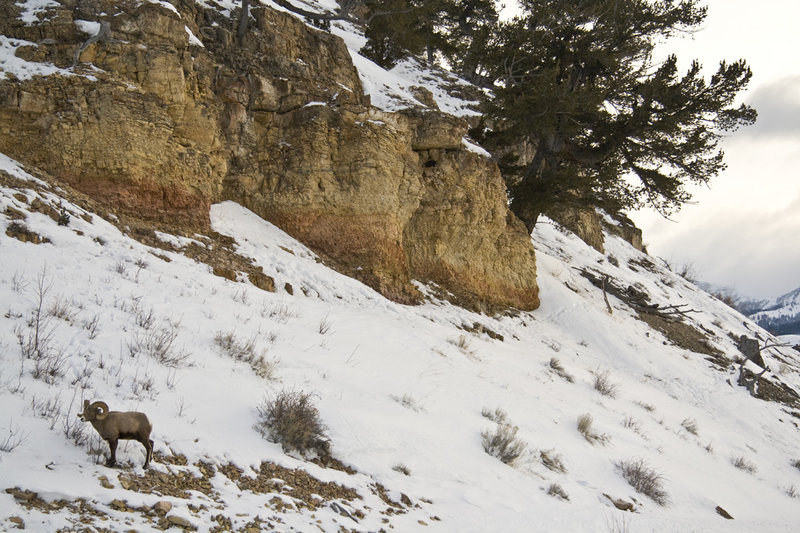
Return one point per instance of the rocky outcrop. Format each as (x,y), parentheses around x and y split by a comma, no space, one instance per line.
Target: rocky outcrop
(585,223)
(464,237)
(167,114)
(625,228)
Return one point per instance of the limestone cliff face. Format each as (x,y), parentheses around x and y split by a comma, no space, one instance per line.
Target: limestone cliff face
(154,123)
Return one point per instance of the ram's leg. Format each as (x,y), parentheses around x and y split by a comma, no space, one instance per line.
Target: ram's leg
(148,451)
(112,460)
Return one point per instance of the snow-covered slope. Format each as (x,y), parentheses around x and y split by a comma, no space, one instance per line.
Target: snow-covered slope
(405,392)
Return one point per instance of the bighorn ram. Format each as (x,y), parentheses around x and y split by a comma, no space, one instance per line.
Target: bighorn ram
(114,425)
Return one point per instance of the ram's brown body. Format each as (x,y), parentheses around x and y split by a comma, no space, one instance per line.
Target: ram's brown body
(115,425)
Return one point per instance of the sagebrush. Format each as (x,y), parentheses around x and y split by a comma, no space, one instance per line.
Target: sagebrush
(557,491)
(604,385)
(291,419)
(503,443)
(246,352)
(644,479)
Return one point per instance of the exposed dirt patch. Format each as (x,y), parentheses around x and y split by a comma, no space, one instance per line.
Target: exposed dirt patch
(176,483)
(645,264)
(22,233)
(773,392)
(205,245)
(479,328)
(179,460)
(82,514)
(298,484)
(681,334)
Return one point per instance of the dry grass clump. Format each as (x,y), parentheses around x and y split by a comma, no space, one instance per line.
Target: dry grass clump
(555,366)
(743,464)
(690,425)
(585,427)
(403,469)
(644,480)
(603,384)
(498,416)
(555,490)
(552,461)
(246,352)
(292,420)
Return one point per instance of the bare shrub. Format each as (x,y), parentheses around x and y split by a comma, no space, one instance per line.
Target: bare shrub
(242,297)
(292,420)
(463,345)
(143,385)
(644,479)
(743,464)
(646,406)
(603,384)
(687,271)
(35,342)
(48,408)
(18,282)
(403,469)
(552,461)
(74,429)
(145,318)
(585,422)
(498,416)
(631,423)
(246,352)
(159,343)
(325,325)
(557,491)
(555,366)
(690,425)
(15,437)
(92,326)
(49,367)
(792,492)
(277,311)
(503,443)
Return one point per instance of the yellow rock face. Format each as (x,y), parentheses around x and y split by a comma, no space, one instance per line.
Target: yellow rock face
(161,128)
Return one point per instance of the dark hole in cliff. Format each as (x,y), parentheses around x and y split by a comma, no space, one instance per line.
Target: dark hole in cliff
(430,163)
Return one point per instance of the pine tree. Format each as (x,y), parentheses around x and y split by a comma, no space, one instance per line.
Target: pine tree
(428,29)
(395,30)
(469,27)
(576,82)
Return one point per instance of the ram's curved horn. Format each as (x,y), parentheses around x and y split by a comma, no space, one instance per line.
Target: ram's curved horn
(103,407)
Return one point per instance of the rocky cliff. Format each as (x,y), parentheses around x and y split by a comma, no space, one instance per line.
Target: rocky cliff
(156,110)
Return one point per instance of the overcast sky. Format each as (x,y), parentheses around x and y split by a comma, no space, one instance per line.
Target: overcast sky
(744,231)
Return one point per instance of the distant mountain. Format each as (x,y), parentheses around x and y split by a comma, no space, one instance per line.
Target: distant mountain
(780,316)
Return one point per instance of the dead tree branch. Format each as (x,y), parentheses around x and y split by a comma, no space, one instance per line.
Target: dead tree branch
(634,297)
